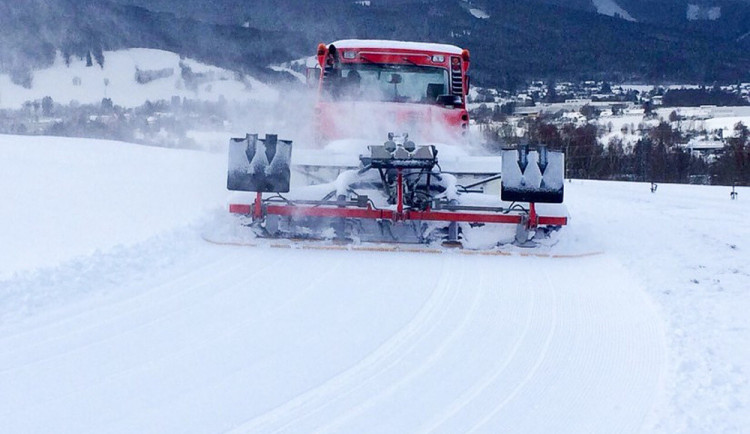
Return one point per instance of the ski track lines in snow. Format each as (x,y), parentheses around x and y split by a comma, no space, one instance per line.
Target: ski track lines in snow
(152,313)
(170,334)
(694,241)
(268,340)
(499,351)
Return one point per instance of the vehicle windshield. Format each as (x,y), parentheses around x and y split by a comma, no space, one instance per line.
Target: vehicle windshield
(390,82)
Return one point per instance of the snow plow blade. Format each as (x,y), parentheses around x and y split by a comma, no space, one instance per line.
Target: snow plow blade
(399,195)
(532,175)
(259,165)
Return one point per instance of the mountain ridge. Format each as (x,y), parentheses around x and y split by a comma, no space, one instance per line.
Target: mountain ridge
(516,41)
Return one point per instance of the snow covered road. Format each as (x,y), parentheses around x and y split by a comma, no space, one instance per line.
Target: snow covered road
(115,316)
(266,340)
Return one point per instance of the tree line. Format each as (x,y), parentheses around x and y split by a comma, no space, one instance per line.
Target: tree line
(658,156)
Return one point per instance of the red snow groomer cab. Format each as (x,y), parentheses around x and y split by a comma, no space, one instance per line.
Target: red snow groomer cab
(413,94)
(368,88)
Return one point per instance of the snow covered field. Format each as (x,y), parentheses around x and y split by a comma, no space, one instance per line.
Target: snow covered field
(117,80)
(115,316)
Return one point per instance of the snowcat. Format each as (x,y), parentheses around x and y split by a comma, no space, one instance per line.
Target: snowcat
(400,109)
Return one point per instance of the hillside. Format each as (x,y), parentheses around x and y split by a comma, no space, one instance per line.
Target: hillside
(35,30)
(511,41)
(514,40)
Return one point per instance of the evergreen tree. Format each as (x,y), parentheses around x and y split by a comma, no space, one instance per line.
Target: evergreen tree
(47,106)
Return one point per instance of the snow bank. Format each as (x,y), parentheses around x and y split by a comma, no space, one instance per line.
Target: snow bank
(69,197)
(687,245)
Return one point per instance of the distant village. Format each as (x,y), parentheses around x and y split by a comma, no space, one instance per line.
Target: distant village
(160,123)
(600,92)
(676,133)
(672,133)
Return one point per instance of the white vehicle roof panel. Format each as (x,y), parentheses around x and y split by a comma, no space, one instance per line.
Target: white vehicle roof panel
(399,45)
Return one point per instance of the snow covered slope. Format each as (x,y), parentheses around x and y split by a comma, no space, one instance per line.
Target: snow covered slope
(130,77)
(66,197)
(611,8)
(132,323)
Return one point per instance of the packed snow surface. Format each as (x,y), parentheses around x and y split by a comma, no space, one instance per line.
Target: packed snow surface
(115,316)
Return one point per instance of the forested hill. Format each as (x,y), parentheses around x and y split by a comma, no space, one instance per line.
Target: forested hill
(33,31)
(510,40)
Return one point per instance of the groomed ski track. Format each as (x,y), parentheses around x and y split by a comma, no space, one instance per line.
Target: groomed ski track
(245,339)
(117,317)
